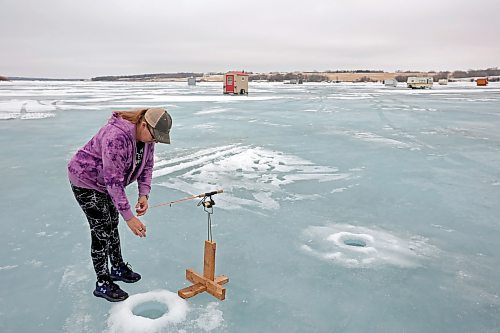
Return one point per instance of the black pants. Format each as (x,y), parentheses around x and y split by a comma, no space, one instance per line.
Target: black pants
(103,221)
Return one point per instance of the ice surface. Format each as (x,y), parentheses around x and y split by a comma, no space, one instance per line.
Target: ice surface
(241,168)
(346,208)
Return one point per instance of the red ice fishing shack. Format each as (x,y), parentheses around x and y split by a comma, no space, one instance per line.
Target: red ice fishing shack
(236,83)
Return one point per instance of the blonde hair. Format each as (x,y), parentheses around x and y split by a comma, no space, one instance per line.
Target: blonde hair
(134,116)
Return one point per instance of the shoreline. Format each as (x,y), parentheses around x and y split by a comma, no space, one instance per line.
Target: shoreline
(270,77)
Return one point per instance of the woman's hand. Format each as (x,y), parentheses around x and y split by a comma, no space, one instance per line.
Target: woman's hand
(137,227)
(142,205)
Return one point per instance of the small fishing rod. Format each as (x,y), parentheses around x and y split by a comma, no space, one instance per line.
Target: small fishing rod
(202,195)
(208,206)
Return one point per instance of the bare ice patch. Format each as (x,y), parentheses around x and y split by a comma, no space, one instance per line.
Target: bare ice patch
(8,267)
(25,116)
(74,285)
(250,176)
(206,126)
(211,318)
(350,96)
(197,98)
(372,137)
(212,111)
(356,246)
(27,109)
(397,139)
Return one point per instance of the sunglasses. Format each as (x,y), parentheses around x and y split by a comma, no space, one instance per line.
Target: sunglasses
(151,133)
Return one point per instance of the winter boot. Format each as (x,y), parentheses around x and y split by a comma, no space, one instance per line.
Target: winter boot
(109,291)
(124,273)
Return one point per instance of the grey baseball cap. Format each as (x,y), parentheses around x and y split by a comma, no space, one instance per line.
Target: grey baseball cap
(161,122)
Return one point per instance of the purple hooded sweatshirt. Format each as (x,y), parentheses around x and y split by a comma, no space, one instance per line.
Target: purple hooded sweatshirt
(107,164)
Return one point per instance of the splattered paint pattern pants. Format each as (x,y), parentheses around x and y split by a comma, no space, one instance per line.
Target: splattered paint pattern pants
(103,221)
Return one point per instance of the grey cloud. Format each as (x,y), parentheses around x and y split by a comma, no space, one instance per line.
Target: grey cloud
(60,38)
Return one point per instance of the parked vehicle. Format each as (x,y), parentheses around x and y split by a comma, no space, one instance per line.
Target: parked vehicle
(419,82)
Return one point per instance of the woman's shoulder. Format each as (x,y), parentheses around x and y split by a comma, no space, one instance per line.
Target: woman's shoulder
(111,137)
(118,127)
(124,125)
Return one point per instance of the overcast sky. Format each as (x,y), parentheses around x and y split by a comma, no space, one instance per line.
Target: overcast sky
(87,38)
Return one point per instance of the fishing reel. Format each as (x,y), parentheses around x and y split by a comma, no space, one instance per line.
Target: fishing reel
(208,206)
(209,203)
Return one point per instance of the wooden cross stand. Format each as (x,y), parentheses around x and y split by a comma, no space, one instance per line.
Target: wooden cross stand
(208,281)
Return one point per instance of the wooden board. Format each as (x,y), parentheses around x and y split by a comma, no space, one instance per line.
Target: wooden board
(212,288)
(192,290)
(208,281)
(209,260)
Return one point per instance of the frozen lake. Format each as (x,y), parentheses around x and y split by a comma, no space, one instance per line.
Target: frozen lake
(346,208)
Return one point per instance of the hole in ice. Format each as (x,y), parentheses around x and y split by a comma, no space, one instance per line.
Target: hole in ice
(358,246)
(355,242)
(151,310)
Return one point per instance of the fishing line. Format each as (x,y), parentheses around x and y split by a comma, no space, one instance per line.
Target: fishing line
(208,206)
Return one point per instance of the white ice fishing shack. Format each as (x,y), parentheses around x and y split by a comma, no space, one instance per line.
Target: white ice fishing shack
(419,82)
(236,83)
(391,83)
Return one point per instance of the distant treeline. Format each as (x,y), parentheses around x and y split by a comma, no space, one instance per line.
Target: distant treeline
(472,73)
(147,77)
(20,78)
(365,79)
(280,77)
(313,76)
(355,71)
(309,76)
(476,73)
